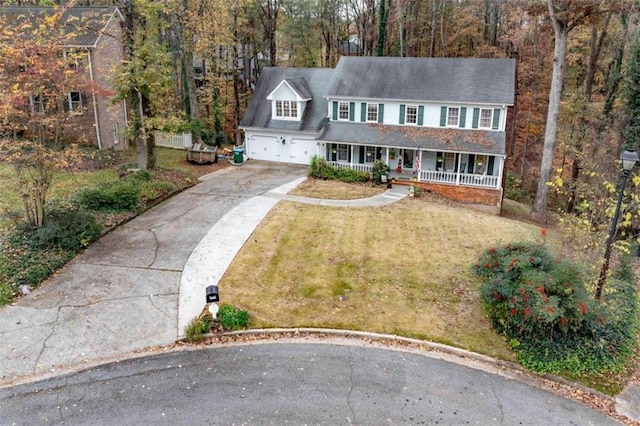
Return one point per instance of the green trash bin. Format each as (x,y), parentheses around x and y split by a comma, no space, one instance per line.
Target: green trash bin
(238,155)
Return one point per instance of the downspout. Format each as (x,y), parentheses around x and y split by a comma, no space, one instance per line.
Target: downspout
(93,98)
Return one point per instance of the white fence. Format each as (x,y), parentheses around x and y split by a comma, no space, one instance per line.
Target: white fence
(172,140)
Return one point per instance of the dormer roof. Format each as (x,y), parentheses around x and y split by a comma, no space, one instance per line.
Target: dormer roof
(308,83)
(298,85)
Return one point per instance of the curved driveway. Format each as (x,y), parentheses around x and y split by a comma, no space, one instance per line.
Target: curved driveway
(286,383)
(121,294)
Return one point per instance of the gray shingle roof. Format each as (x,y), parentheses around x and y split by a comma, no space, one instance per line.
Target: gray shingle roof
(300,86)
(445,139)
(83,25)
(465,80)
(258,113)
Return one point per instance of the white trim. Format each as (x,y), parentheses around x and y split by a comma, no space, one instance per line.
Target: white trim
(284,81)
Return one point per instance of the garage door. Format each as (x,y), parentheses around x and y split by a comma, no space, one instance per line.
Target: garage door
(264,148)
(301,151)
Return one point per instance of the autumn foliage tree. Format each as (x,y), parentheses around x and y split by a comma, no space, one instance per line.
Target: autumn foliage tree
(36,79)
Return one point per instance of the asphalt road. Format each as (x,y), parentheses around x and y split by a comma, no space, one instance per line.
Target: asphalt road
(287,383)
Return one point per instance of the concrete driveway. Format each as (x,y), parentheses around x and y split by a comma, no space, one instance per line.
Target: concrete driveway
(122,293)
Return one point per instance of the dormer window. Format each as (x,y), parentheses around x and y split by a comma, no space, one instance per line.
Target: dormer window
(286,109)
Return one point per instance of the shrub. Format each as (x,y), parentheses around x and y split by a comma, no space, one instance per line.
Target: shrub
(379,169)
(197,327)
(320,169)
(139,176)
(552,324)
(152,190)
(119,196)
(68,227)
(233,318)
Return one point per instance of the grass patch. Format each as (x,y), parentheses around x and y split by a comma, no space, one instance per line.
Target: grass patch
(336,190)
(402,269)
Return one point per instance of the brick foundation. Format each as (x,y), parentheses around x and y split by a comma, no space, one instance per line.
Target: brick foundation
(465,194)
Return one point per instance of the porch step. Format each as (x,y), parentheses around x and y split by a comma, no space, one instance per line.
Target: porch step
(393,195)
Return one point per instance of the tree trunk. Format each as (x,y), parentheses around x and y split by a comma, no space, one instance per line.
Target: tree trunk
(236,80)
(141,136)
(555,93)
(382,26)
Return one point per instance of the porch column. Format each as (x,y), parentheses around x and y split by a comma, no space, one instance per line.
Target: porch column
(458,164)
(351,157)
(500,171)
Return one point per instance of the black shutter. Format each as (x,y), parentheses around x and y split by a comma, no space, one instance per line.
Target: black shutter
(420,115)
(443,116)
(335,111)
(401,118)
(476,117)
(380,113)
(352,111)
(463,116)
(361,153)
(496,119)
(472,160)
(492,160)
(363,112)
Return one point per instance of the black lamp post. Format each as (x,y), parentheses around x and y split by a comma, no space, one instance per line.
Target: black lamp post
(629,159)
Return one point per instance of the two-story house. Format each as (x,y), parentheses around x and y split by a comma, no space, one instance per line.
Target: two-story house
(92,49)
(440,122)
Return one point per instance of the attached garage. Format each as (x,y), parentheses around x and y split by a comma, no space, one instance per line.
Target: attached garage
(266,148)
(301,150)
(280,149)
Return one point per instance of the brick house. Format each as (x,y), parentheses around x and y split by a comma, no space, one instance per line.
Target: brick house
(93,51)
(441,123)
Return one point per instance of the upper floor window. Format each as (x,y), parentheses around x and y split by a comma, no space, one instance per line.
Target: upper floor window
(38,104)
(372,113)
(74,100)
(486,118)
(286,109)
(343,110)
(411,115)
(73,58)
(453,116)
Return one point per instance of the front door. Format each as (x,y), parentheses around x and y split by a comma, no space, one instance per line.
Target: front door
(408,156)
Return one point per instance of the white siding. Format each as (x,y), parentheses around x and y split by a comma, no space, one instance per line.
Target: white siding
(431,116)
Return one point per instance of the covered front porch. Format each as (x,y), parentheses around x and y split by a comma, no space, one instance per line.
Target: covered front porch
(422,165)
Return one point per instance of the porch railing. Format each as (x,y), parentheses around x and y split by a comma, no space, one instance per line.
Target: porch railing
(366,168)
(479,180)
(435,176)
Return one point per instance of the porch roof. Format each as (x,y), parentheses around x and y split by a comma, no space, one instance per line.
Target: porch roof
(460,140)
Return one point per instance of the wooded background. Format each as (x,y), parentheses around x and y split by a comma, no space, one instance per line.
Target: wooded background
(193,63)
